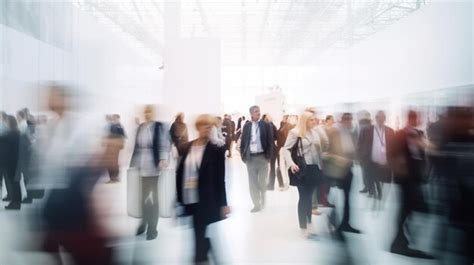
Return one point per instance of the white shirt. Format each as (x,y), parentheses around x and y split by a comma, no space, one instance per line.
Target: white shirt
(191,174)
(216,137)
(147,165)
(379,154)
(255,140)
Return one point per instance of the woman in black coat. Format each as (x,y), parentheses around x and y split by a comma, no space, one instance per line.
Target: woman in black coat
(200,182)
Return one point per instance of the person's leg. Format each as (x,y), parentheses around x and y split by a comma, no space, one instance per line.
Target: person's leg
(146,209)
(346,186)
(262,179)
(272,173)
(401,241)
(252,169)
(202,244)
(309,190)
(154,208)
(279,174)
(302,207)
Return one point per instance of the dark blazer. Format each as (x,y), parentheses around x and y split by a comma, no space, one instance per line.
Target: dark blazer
(404,166)
(211,187)
(156,145)
(10,145)
(266,138)
(365,142)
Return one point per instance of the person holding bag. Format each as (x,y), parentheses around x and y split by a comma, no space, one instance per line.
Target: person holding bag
(200,184)
(302,152)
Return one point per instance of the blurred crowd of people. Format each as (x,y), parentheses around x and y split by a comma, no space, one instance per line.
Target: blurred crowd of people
(432,167)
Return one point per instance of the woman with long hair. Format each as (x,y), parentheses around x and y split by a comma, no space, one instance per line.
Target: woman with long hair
(309,142)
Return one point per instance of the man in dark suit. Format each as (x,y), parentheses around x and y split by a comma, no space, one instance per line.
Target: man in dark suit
(374,140)
(408,162)
(256,149)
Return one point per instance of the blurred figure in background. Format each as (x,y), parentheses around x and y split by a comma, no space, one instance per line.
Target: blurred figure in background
(114,143)
(272,174)
(373,143)
(256,152)
(179,131)
(200,182)
(150,156)
(238,130)
(25,153)
(305,140)
(71,164)
(282,135)
(324,186)
(217,137)
(338,167)
(10,143)
(228,130)
(408,156)
(364,121)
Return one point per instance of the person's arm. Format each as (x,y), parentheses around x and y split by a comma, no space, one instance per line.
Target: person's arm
(290,142)
(220,163)
(164,143)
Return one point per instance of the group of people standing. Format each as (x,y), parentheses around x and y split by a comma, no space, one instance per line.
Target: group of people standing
(322,154)
(17,138)
(315,154)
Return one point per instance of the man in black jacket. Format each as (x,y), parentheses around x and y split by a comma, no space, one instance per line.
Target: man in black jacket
(408,163)
(256,149)
(374,140)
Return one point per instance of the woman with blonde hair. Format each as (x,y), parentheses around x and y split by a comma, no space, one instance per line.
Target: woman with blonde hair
(305,173)
(200,183)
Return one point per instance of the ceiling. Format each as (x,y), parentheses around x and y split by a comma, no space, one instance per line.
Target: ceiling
(257,32)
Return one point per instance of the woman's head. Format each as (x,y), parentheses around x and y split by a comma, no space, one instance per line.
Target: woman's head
(180,117)
(204,124)
(306,122)
(149,113)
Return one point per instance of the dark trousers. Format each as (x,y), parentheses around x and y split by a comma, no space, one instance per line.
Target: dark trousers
(150,207)
(13,186)
(377,175)
(344,184)
(228,144)
(275,171)
(202,244)
(305,205)
(410,196)
(306,191)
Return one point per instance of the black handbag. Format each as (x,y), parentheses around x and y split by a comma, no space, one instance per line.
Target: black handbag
(297,156)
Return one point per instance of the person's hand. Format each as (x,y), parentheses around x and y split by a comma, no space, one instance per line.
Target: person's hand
(294,168)
(163,164)
(225,211)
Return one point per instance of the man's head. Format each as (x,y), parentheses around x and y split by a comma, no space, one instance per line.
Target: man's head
(255,113)
(58,99)
(380,118)
(116,118)
(346,120)
(149,113)
(413,118)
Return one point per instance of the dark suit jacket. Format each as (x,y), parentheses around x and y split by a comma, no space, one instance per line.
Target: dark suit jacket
(404,166)
(365,142)
(266,138)
(156,145)
(211,187)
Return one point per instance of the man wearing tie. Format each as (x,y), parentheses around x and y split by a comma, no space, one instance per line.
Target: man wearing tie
(256,152)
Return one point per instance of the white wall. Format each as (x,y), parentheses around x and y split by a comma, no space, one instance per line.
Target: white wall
(98,64)
(429,49)
(192,76)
